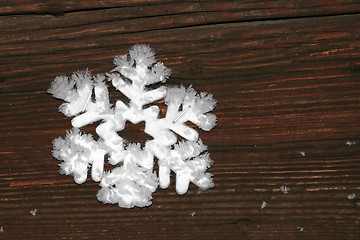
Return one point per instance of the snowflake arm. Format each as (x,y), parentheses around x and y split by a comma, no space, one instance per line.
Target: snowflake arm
(74,91)
(136,71)
(78,151)
(195,107)
(133,183)
(97,109)
(190,163)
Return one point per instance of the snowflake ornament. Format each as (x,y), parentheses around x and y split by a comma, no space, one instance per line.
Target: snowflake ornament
(133,179)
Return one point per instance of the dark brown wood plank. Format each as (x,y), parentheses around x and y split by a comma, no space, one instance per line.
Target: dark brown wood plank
(252,9)
(288,112)
(300,43)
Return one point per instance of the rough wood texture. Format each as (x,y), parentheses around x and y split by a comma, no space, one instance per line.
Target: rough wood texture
(286,75)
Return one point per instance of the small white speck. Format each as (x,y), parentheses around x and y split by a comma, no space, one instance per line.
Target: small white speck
(263,205)
(193,214)
(300,229)
(303,154)
(33,212)
(284,189)
(349,143)
(1,229)
(351,196)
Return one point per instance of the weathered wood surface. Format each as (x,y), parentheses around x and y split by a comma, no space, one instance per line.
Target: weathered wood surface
(286,75)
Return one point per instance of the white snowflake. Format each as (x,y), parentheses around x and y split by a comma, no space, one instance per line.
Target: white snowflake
(284,189)
(133,180)
(350,143)
(33,212)
(351,196)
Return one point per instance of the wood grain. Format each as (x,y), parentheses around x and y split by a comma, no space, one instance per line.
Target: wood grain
(286,77)
(144,8)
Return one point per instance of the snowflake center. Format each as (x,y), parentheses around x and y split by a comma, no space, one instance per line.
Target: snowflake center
(134,133)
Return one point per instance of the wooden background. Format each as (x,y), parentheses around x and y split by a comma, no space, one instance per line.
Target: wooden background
(286,75)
